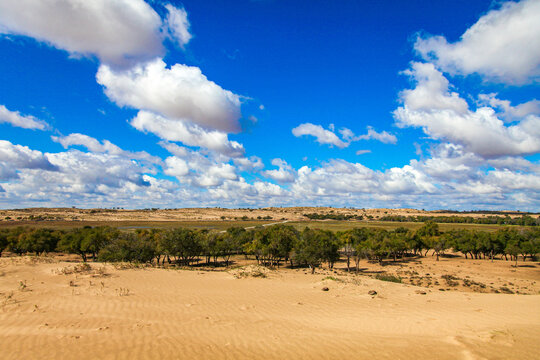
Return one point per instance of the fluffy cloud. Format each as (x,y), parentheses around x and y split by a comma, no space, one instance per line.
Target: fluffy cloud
(284,173)
(71,178)
(180,92)
(92,171)
(16,157)
(187,133)
(444,115)
(504,45)
(322,135)
(508,112)
(384,136)
(106,147)
(176,167)
(253,163)
(450,177)
(329,137)
(14,118)
(195,169)
(177,25)
(119,33)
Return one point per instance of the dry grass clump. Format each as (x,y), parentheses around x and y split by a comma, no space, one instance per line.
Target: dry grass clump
(84,268)
(250,271)
(128,265)
(122,291)
(7,299)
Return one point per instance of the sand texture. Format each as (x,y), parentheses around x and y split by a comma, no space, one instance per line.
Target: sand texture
(55,310)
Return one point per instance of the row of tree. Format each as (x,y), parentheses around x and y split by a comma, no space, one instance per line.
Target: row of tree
(271,246)
(524,220)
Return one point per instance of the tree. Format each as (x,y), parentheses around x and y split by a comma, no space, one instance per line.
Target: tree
(439,244)
(13,240)
(38,241)
(348,246)
(329,244)
(87,240)
(359,237)
(394,244)
(376,245)
(429,230)
(3,240)
(185,243)
(308,250)
(209,242)
(153,236)
(282,238)
(128,247)
(273,244)
(531,243)
(227,246)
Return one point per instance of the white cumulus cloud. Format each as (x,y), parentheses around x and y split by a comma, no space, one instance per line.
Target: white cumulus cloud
(180,92)
(118,32)
(283,174)
(187,133)
(177,25)
(16,157)
(14,118)
(443,114)
(321,135)
(94,145)
(503,45)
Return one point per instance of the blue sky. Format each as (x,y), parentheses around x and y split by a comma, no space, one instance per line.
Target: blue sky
(270,103)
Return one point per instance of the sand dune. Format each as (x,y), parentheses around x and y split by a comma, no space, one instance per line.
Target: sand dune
(179,314)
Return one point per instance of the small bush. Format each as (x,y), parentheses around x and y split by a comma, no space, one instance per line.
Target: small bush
(505,290)
(388,277)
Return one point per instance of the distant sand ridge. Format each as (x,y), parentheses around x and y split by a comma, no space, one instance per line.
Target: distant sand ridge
(208,214)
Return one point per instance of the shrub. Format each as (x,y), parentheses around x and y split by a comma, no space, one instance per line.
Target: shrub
(388,277)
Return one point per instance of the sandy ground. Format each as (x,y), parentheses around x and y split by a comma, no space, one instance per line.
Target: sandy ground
(207,214)
(50,311)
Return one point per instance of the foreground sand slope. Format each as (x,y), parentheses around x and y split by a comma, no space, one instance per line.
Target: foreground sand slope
(158,313)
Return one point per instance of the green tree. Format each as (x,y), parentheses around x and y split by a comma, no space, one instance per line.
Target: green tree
(87,241)
(128,247)
(427,232)
(3,240)
(308,249)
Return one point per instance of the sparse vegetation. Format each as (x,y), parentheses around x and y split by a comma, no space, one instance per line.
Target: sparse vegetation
(272,246)
(388,277)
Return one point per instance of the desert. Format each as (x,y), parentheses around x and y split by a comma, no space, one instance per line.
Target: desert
(269,179)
